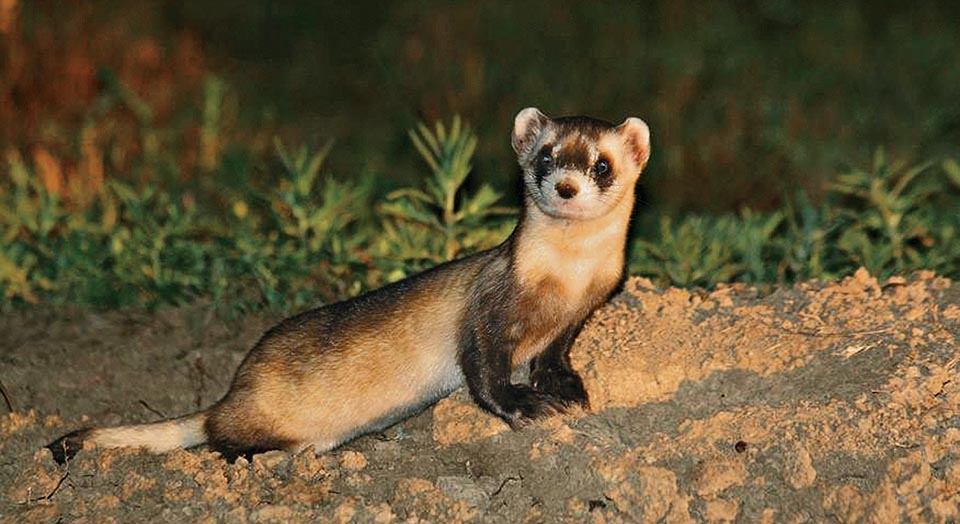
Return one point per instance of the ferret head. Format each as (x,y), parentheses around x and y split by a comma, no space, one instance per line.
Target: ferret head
(579,167)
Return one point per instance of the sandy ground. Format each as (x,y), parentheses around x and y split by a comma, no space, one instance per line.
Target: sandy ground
(818,403)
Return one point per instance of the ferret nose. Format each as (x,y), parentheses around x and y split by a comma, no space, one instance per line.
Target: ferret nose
(566,189)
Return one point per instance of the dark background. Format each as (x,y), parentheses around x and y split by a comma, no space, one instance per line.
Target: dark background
(748,101)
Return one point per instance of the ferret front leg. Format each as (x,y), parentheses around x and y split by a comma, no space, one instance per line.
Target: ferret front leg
(551,372)
(485,362)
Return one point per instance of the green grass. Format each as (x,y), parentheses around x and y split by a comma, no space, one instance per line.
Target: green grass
(303,236)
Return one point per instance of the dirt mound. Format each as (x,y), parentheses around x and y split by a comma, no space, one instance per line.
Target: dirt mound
(823,403)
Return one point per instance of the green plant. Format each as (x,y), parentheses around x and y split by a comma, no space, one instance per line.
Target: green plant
(884,212)
(28,218)
(694,252)
(308,229)
(803,240)
(298,212)
(442,220)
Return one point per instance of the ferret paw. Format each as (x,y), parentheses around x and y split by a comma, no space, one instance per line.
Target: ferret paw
(524,405)
(564,385)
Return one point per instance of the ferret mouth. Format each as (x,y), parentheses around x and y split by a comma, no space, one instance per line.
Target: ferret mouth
(567,209)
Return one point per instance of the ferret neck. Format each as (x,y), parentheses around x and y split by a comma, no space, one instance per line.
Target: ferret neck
(606,235)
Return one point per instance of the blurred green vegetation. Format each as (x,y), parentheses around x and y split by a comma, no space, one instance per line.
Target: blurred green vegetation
(889,218)
(311,238)
(305,237)
(148,151)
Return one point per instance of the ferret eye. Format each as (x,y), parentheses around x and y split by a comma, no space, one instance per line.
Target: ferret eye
(545,158)
(602,167)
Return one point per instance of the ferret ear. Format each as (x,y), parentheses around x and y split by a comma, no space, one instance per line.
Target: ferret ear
(636,134)
(526,126)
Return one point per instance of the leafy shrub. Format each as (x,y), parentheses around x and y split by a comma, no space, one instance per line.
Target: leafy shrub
(424,227)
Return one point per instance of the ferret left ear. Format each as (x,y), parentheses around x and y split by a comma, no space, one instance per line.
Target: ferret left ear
(636,134)
(526,126)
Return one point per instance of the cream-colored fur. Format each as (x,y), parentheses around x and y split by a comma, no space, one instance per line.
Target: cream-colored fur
(158,437)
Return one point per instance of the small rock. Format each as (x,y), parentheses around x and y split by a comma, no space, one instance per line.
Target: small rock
(460,488)
(457,420)
(798,467)
(272,513)
(353,460)
(722,510)
(716,476)
(267,461)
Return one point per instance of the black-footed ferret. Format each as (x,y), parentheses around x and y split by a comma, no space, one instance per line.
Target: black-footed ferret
(330,374)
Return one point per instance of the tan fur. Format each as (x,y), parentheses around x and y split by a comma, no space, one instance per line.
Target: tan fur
(330,374)
(540,305)
(574,253)
(566,269)
(394,372)
(389,361)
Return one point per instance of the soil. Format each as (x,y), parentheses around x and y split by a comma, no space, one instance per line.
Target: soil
(825,402)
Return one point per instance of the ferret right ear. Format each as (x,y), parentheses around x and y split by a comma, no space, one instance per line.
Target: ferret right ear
(636,134)
(526,126)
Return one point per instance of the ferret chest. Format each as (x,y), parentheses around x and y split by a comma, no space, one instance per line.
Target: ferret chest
(571,277)
(547,308)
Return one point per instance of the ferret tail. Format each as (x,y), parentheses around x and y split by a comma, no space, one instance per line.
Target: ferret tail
(180,432)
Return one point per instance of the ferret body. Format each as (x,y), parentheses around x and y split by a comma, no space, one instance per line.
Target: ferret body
(327,375)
